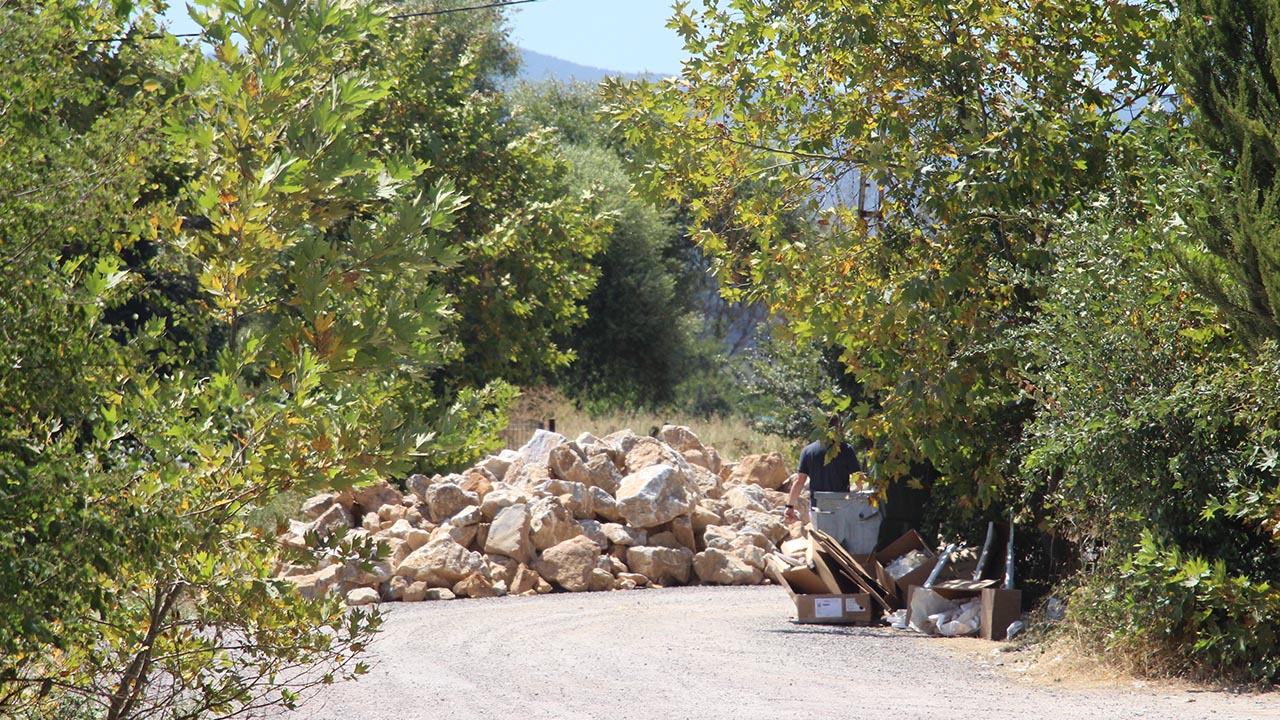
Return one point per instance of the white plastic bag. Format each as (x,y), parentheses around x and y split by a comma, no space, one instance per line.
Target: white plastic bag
(926,606)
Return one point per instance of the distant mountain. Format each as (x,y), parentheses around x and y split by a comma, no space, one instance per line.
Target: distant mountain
(536,66)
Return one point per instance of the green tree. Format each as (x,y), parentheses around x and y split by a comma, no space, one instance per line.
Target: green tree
(962,128)
(1153,444)
(132,452)
(657,333)
(1226,60)
(525,239)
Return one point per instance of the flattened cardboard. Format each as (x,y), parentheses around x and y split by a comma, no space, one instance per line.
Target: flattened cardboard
(840,562)
(871,567)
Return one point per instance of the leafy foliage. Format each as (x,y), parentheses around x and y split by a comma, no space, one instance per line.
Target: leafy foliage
(225,293)
(966,126)
(527,238)
(646,340)
(1153,443)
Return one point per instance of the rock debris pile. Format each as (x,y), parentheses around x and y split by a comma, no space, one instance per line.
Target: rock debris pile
(615,513)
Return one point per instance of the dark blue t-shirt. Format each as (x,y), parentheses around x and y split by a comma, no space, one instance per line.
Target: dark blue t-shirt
(824,476)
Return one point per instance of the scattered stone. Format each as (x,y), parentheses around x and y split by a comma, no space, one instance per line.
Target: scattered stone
(646,452)
(709,484)
(417,484)
(416,592)
(476,585)
(363,596)
(440,563)
(446,499)
(605,505)
(551,523)
(469,515)
(594,530)
(620,512)
(623,535)
(373,496)
(719,568)
(316,506)
(747,497)
(479,481)
(335,518)
(502,495)
(682,528)
(395,588)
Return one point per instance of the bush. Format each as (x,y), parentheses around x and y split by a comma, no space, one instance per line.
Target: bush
(1153,448)
(1185,613)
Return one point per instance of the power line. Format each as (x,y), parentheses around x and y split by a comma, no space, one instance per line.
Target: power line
(404,16)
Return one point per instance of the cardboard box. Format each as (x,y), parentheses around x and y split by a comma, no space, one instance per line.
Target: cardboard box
(814,605)
(999,607)
(903,545)
(852,609)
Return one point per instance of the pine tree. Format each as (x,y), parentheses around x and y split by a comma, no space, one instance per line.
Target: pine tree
(1227,60)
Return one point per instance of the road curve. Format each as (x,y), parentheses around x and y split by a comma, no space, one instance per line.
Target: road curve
(704,653)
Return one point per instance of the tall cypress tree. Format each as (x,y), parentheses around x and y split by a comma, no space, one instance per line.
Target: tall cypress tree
(1227,55)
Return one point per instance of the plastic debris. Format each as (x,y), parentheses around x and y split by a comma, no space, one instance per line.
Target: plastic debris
(906,564)
(1056,609)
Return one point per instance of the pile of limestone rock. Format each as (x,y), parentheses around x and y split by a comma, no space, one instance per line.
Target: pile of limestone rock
(615,513)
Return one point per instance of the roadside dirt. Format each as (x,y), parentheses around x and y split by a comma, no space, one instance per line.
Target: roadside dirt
(705,653)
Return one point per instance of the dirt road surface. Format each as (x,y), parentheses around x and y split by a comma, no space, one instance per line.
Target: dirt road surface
(708,653)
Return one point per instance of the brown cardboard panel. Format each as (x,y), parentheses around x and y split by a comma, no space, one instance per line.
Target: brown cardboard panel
(795,580)
(872,568)
(839,560)
(834,609)
(837,583)
(999,608)
(804,581)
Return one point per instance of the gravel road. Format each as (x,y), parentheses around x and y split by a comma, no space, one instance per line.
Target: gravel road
(706,653)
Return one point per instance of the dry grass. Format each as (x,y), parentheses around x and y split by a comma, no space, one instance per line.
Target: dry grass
(731,437)
(1064,656)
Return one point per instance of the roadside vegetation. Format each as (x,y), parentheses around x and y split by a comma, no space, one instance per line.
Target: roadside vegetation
(1032,250)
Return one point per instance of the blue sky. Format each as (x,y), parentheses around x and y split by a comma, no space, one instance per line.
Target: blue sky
(624,35)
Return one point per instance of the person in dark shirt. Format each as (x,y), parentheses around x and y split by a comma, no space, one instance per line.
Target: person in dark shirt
(823,474)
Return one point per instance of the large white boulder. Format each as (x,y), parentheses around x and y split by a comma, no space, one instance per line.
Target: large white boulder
(502,495)
(768,471)
(571,565)
(661,565)
(510,534)
(551,523)
(446,499)
(720,568)
(441,563)
(654,495)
